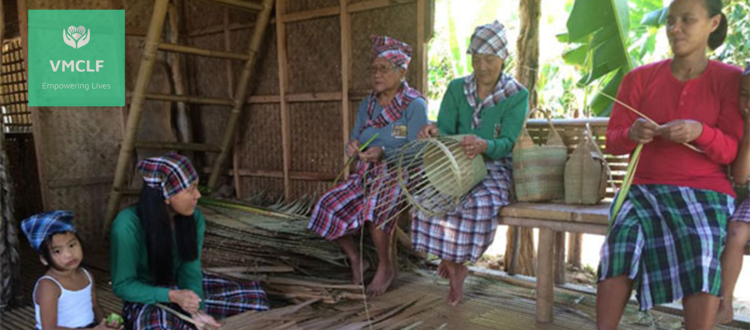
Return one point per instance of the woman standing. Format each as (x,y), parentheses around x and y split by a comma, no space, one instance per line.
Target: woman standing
(156,254)
(669,234)
(395,113)
(490,106)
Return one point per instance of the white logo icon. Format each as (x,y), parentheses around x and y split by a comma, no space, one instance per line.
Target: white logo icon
(76,37)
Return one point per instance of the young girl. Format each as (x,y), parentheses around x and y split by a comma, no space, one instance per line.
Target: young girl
(65,297)
(739,225)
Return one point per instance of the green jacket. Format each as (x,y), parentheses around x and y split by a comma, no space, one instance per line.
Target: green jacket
(506,118)
(131,277)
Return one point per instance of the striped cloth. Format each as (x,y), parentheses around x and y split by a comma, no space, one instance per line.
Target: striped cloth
(170,173)
(394,111)
(668,240)
(466,232)
(223,298)
(40,226)
(343,209)
(742,213)
(392,49)
(506,87)
(489,39)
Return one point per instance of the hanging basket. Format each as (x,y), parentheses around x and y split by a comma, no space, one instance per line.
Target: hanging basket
(538,169)
(586,172)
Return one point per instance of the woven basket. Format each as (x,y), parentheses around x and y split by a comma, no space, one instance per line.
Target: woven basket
(586,172)
(538,170)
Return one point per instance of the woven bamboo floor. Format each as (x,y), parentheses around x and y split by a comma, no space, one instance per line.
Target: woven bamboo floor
(416,301)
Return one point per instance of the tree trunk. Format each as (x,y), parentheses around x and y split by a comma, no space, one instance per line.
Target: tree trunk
(527,63)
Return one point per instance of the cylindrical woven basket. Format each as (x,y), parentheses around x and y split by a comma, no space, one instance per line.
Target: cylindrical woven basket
(538,170)
(439,173)
(586,172)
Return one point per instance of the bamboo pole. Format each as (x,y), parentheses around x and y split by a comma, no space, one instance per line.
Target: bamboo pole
(560,258)
(421,47)
(139,97)
(545,282)
(241,92)
(188,99)
(202,52)
(230,92)
(159,145)
(247,5)
(283,84)
(184,128)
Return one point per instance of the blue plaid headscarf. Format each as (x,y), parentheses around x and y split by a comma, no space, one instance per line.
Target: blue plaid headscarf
(40,226)
(489,39)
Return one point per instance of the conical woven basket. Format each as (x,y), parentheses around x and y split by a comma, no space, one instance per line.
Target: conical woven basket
(586,172)
(538,170)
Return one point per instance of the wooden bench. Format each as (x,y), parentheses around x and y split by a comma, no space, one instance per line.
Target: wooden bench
(555,219)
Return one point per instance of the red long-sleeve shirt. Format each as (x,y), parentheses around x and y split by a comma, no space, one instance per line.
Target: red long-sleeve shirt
(712,99)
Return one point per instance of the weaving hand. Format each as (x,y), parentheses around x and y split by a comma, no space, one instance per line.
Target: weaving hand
(352,148)
(681,130)
(186,299)
(642,131)
(473,146)
(204,320)
(429,131)
(371,155)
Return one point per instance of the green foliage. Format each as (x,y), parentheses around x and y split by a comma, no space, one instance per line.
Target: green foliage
(736,49)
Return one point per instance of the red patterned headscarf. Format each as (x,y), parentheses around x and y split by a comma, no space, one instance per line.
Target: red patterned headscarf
(393,50)
(170,174)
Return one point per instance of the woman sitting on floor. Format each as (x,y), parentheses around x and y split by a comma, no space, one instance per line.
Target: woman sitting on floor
(395,112)
(156,255)
(490,106)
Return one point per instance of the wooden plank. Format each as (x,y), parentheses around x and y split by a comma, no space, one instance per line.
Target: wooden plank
(376,4)
(314,97)
(310,14)
(246,5)
(346,65)
(570,227)
(79,182)
(545,291)
(169,47)
(283,85)
(593,214)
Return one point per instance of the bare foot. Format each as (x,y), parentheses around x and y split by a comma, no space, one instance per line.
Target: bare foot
(357,273)
(458,274)
(442,270)
(726,313)
(383,278)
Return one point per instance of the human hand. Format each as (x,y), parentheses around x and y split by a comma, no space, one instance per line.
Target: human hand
(473,146)
(203,320)
(186,299)
(681,130)
(104,326)
(642,131)
(428,131)
(352,148)
(372,155)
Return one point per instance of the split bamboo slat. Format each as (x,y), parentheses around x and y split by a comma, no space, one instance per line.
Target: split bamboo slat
(153,43)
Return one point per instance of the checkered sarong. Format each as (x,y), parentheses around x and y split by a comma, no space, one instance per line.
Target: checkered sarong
(668,240)
(222,298)
(742,213)
(342,210)
(466,232)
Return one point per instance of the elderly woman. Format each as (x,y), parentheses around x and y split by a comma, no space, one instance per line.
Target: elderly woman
(489,106)
(393,113)
(156,255)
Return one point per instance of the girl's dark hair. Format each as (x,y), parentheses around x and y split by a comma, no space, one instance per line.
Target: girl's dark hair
(46,253)
(154,216)
(717,37)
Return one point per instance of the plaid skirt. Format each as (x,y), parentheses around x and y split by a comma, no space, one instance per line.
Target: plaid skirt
(466,232)
(668,240)
(222,298)
(742,213)
(344,209)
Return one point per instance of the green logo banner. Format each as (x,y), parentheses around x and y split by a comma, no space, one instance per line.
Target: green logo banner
(76,58)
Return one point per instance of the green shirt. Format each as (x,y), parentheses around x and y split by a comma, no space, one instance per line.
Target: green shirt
(506,118)
(131,277)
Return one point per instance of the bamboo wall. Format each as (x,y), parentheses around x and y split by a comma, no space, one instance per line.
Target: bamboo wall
(310,76)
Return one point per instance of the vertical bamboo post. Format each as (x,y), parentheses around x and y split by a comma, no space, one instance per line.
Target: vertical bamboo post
(575,249)
(184,129)
(421,47)
(515,247)
(560,258)
(139,97)
(346,50)
(230,92)
(240,94)
(545,294)
(283,84)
